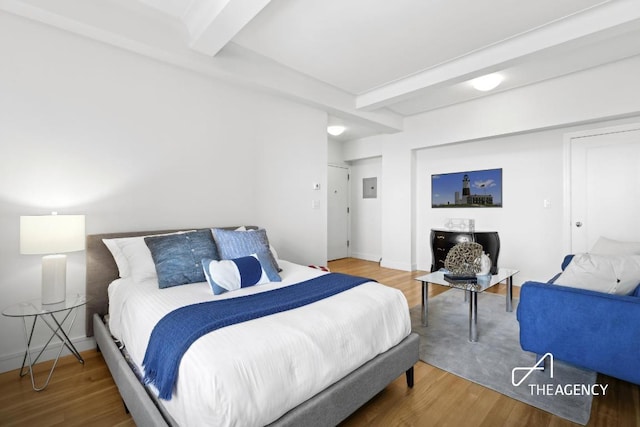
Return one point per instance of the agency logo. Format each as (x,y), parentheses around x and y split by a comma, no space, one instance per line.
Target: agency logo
(554,389)
(539,366)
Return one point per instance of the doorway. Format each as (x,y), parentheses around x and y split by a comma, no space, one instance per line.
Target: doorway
(604,186)
(338,212)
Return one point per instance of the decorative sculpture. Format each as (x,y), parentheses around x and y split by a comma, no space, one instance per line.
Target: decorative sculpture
(464,259)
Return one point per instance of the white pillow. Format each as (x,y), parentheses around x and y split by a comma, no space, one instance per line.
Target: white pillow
(118,256)
(605,246)
(132,256)
(611,274)
(273,252)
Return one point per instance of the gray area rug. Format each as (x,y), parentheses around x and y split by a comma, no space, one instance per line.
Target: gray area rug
(444,343)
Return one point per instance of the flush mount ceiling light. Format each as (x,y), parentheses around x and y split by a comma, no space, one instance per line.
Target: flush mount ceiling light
(335,130)
(488,82)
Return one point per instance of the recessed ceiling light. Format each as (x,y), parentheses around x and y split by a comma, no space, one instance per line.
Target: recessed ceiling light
(488,82)
(335,130)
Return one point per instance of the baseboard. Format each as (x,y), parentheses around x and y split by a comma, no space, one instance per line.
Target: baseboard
(383,263)
(366,256)
(397,265)
(10,362)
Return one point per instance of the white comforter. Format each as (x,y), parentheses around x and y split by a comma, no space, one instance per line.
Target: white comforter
(252,373)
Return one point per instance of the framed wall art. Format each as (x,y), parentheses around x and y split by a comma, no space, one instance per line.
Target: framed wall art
(470,189)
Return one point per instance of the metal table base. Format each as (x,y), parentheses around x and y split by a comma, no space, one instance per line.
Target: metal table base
(472,297)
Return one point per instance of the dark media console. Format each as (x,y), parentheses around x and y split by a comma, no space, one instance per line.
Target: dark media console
(443,240)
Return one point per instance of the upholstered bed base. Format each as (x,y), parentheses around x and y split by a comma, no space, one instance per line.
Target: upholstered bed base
(327,408)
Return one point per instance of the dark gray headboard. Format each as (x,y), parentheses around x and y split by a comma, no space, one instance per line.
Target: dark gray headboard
(102,270)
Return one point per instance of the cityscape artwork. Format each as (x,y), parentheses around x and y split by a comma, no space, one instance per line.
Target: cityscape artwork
(471,189)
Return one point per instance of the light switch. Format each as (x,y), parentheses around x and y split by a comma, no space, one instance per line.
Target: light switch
(315,204)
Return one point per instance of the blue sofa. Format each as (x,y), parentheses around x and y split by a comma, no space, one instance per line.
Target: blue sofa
(593,330)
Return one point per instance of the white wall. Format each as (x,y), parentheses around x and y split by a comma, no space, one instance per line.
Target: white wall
(365,217)
(291,154)
(335,155)
(531,172)
(488,128)
(135,144)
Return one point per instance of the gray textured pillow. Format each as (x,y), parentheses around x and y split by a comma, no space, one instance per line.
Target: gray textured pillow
(236,244)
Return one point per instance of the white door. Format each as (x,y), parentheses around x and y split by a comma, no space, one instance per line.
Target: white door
(605,187)
(338,214)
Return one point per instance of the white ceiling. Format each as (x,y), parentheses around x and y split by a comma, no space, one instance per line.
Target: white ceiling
(368,63)
(358,45)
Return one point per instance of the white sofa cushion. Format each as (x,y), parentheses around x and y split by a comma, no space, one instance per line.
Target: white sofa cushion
(606,246)
(614,274)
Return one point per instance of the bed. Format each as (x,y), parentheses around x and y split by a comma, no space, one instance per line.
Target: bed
(312,398)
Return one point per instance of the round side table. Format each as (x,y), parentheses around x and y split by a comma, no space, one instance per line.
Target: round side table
(59,317)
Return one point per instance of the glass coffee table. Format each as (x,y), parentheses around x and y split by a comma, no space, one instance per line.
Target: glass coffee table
(472,288)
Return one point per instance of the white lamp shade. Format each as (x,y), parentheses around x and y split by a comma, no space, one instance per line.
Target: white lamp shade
(51,234)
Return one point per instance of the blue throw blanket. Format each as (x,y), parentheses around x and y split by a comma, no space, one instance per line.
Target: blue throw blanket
(176,331)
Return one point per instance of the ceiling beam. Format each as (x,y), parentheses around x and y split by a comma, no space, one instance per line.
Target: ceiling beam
(248,68)
(502,54)
(213,23)
(234,65)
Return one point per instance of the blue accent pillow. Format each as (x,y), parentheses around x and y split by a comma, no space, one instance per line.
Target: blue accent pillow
(566,261)
(233,274)
(235,244)
(178,257)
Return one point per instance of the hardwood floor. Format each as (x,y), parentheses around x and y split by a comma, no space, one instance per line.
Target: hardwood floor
(86,395)
(76,396)
(439,398)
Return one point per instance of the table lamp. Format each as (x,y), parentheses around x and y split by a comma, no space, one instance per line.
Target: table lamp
(52,235)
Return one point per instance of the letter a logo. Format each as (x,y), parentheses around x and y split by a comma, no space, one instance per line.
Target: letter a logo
(539,366)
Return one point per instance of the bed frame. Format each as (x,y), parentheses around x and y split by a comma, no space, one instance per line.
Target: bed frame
(327,408)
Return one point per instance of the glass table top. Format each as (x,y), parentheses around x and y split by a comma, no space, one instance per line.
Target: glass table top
(35,307)
(481,283)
